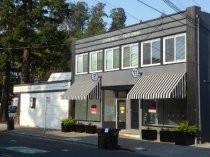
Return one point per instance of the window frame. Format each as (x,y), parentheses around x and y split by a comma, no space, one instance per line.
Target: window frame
(105,57)
(122,55)
(76,66)
(164,49)
(95,52)
(142,59)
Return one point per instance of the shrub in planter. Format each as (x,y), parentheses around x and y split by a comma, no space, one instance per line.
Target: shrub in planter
(68,124)
(79,127)
(185,133)
(148,134)
(166,135)
(90,129)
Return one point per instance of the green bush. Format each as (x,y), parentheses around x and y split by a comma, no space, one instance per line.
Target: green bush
(68,121)
(187,128)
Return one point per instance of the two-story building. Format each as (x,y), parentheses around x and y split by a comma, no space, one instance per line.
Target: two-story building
(155,73)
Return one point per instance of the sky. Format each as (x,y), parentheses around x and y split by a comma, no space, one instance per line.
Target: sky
(136,11)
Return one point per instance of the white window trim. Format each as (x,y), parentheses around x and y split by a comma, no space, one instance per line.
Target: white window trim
(164,51)
(76,64)
(149,41)
(105,51)
(130,45)
(94,52)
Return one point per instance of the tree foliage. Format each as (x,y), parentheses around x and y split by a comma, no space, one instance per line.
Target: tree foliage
(35,38)
(118,19)
(96,24)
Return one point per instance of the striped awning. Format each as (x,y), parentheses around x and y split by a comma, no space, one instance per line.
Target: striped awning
(159,87)
(82,90)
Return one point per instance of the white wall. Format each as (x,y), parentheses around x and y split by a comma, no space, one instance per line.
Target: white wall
(57,109)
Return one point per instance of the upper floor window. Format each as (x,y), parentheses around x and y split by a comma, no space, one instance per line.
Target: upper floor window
(150,52)
(112,59)
(96,61)
(130,56)
(82,63)
(174,49)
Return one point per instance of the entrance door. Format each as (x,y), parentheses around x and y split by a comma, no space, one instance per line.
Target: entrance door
(121,114)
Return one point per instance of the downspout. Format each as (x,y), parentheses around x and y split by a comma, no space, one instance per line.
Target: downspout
(198,72)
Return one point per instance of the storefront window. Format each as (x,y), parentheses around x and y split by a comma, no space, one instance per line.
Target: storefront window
(167,112)
(80,109)
(87,110)
(110,105)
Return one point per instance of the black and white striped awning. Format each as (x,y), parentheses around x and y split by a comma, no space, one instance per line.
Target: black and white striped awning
(82,90)
(160,86)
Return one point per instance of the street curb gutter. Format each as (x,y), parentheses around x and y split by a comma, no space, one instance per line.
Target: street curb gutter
(49,137)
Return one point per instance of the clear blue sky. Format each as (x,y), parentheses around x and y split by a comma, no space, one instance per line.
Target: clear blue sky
(136,11)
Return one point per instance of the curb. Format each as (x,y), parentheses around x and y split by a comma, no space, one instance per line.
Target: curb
(51,138)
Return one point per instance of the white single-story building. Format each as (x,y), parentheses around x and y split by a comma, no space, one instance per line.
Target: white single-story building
(41,104)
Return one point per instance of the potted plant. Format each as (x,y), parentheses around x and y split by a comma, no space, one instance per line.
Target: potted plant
(166,135)
(68,124)
(79,127)
(149,134)
(90,129)
(185,133)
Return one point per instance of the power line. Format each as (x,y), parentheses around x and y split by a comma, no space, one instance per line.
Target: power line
(137,19)
(177,10)
(35,47)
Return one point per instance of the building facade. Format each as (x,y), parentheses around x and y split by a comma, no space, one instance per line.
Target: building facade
(41,105)
(155,73)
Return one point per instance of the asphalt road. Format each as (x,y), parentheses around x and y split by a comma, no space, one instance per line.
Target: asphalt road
(14,145)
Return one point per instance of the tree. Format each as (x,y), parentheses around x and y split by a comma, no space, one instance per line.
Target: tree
(78,18)
(118,19)
(96,24)
(29,33)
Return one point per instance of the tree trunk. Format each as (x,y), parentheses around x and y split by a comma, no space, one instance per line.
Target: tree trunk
(5,95)
(26,51)
(25,77)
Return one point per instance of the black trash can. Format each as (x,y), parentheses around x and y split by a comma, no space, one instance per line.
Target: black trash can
(10,124)
(108,138)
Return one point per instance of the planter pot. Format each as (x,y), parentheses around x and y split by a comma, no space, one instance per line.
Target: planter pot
(67,128)
(80,128)
(64,128)
(149,134)
(90,129)
(182,138)
(71,128)
(167,136)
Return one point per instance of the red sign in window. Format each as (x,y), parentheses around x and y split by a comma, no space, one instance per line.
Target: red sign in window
(152,107)
(93,109)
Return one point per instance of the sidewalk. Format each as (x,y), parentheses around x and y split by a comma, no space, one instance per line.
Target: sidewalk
(128,140)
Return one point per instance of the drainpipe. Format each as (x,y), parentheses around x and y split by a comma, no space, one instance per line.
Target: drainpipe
(198,72)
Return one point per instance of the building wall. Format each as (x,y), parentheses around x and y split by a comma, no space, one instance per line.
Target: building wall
(204,50)
(162,26)
(56,110)
(196,66)
(124,77)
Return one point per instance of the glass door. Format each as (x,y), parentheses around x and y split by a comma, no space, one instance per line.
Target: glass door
(121,114)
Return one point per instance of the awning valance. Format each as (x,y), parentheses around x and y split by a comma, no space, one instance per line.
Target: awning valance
(83,89)
(159,87)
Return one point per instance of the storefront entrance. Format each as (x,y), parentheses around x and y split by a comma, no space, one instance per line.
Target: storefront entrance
(121,114)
